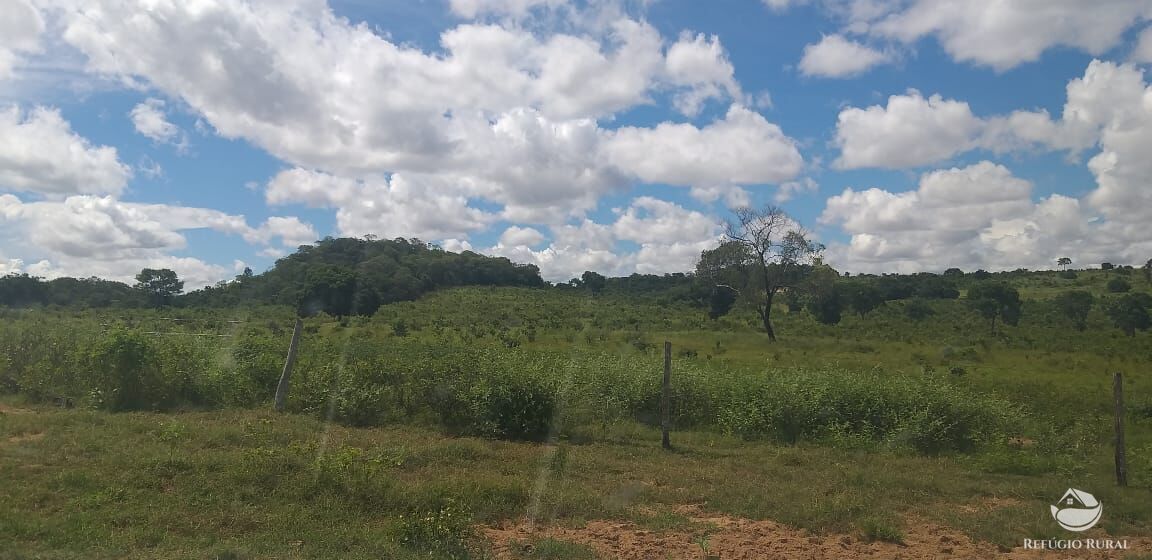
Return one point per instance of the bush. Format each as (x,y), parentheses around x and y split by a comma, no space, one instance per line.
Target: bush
(1118,285)
(126,374)
(924,414)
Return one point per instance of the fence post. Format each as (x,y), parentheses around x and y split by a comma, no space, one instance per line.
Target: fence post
(286,375)
(1121,459)
(666,397)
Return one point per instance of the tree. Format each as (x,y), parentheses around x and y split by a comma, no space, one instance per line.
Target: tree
(1130,313)
(863,298)
(159,285)
(1147,269)
(823,299)
(1063,262)
(593,281)
(917,309)
(779,252)
(953,272)
(1075,305)
(1118,285)
(721,300)
(1107,266)
(18,290)
(995,300)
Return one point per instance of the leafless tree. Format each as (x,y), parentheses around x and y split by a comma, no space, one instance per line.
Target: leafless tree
(780,251)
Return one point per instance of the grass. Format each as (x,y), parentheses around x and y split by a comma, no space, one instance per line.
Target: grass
(252,484)
(817,431)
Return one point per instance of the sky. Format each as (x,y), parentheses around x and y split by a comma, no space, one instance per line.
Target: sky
(207,136)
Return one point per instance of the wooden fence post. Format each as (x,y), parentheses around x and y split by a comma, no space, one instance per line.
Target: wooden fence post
(1118,411)
(286,375)
(666,397)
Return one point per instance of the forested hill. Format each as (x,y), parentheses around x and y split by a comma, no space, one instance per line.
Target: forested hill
(346,276)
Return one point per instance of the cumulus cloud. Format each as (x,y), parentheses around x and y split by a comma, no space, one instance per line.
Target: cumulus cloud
(516,8)
(838,57)
(312,79)
(733,197)
(913,131)
(39,153)
(389,207)
(910,131)
(976,216)
(1003,35)
(1143,51)
(20,31)
(499,113)
(290,230)
(791,189)
(701,64)
(150,121)
(667,238)
(742,148)
(87,235)
(982,215)
(516,236)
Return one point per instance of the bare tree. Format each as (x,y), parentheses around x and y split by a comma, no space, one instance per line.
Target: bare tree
(780,252)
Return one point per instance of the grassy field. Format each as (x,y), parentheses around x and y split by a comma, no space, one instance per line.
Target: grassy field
(412,431)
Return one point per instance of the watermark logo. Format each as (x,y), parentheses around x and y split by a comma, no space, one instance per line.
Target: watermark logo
(1077,510)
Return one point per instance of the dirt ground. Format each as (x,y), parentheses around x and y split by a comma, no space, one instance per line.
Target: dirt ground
(745,539)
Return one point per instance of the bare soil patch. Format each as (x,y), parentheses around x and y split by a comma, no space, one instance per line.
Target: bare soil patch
(746,539)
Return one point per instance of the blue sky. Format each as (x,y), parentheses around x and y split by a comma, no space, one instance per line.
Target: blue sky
(611,135)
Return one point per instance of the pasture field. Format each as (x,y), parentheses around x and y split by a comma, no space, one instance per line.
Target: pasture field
(430,427)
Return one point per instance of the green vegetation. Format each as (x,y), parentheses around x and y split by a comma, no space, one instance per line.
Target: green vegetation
(411,428)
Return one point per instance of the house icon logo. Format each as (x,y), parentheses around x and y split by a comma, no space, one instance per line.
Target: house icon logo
(1077,510)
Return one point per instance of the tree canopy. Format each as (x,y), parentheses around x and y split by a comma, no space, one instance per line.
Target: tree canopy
(765,251)
(160,286)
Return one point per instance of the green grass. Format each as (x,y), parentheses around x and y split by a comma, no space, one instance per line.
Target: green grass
(258,485)
(819,431)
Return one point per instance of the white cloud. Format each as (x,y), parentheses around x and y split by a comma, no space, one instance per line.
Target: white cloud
(291,231)
(387,207)
(516,8)
(701,64)
(40,153)
(312,80)
(85,236)
(982,216)
(734,197)
(501,113)
(782,5)
(516,236)
(149,168)
(791,189)
(837,57)
(150,121)
(910,131)
(100,236)
(1003,35)
(1143,51)
(20,31)
(669,238)
(977,216)
(743,148)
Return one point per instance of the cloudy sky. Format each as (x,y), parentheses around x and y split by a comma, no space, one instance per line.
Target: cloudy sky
(611,135)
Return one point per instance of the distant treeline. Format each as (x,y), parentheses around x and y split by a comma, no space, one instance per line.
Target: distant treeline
(353,276)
